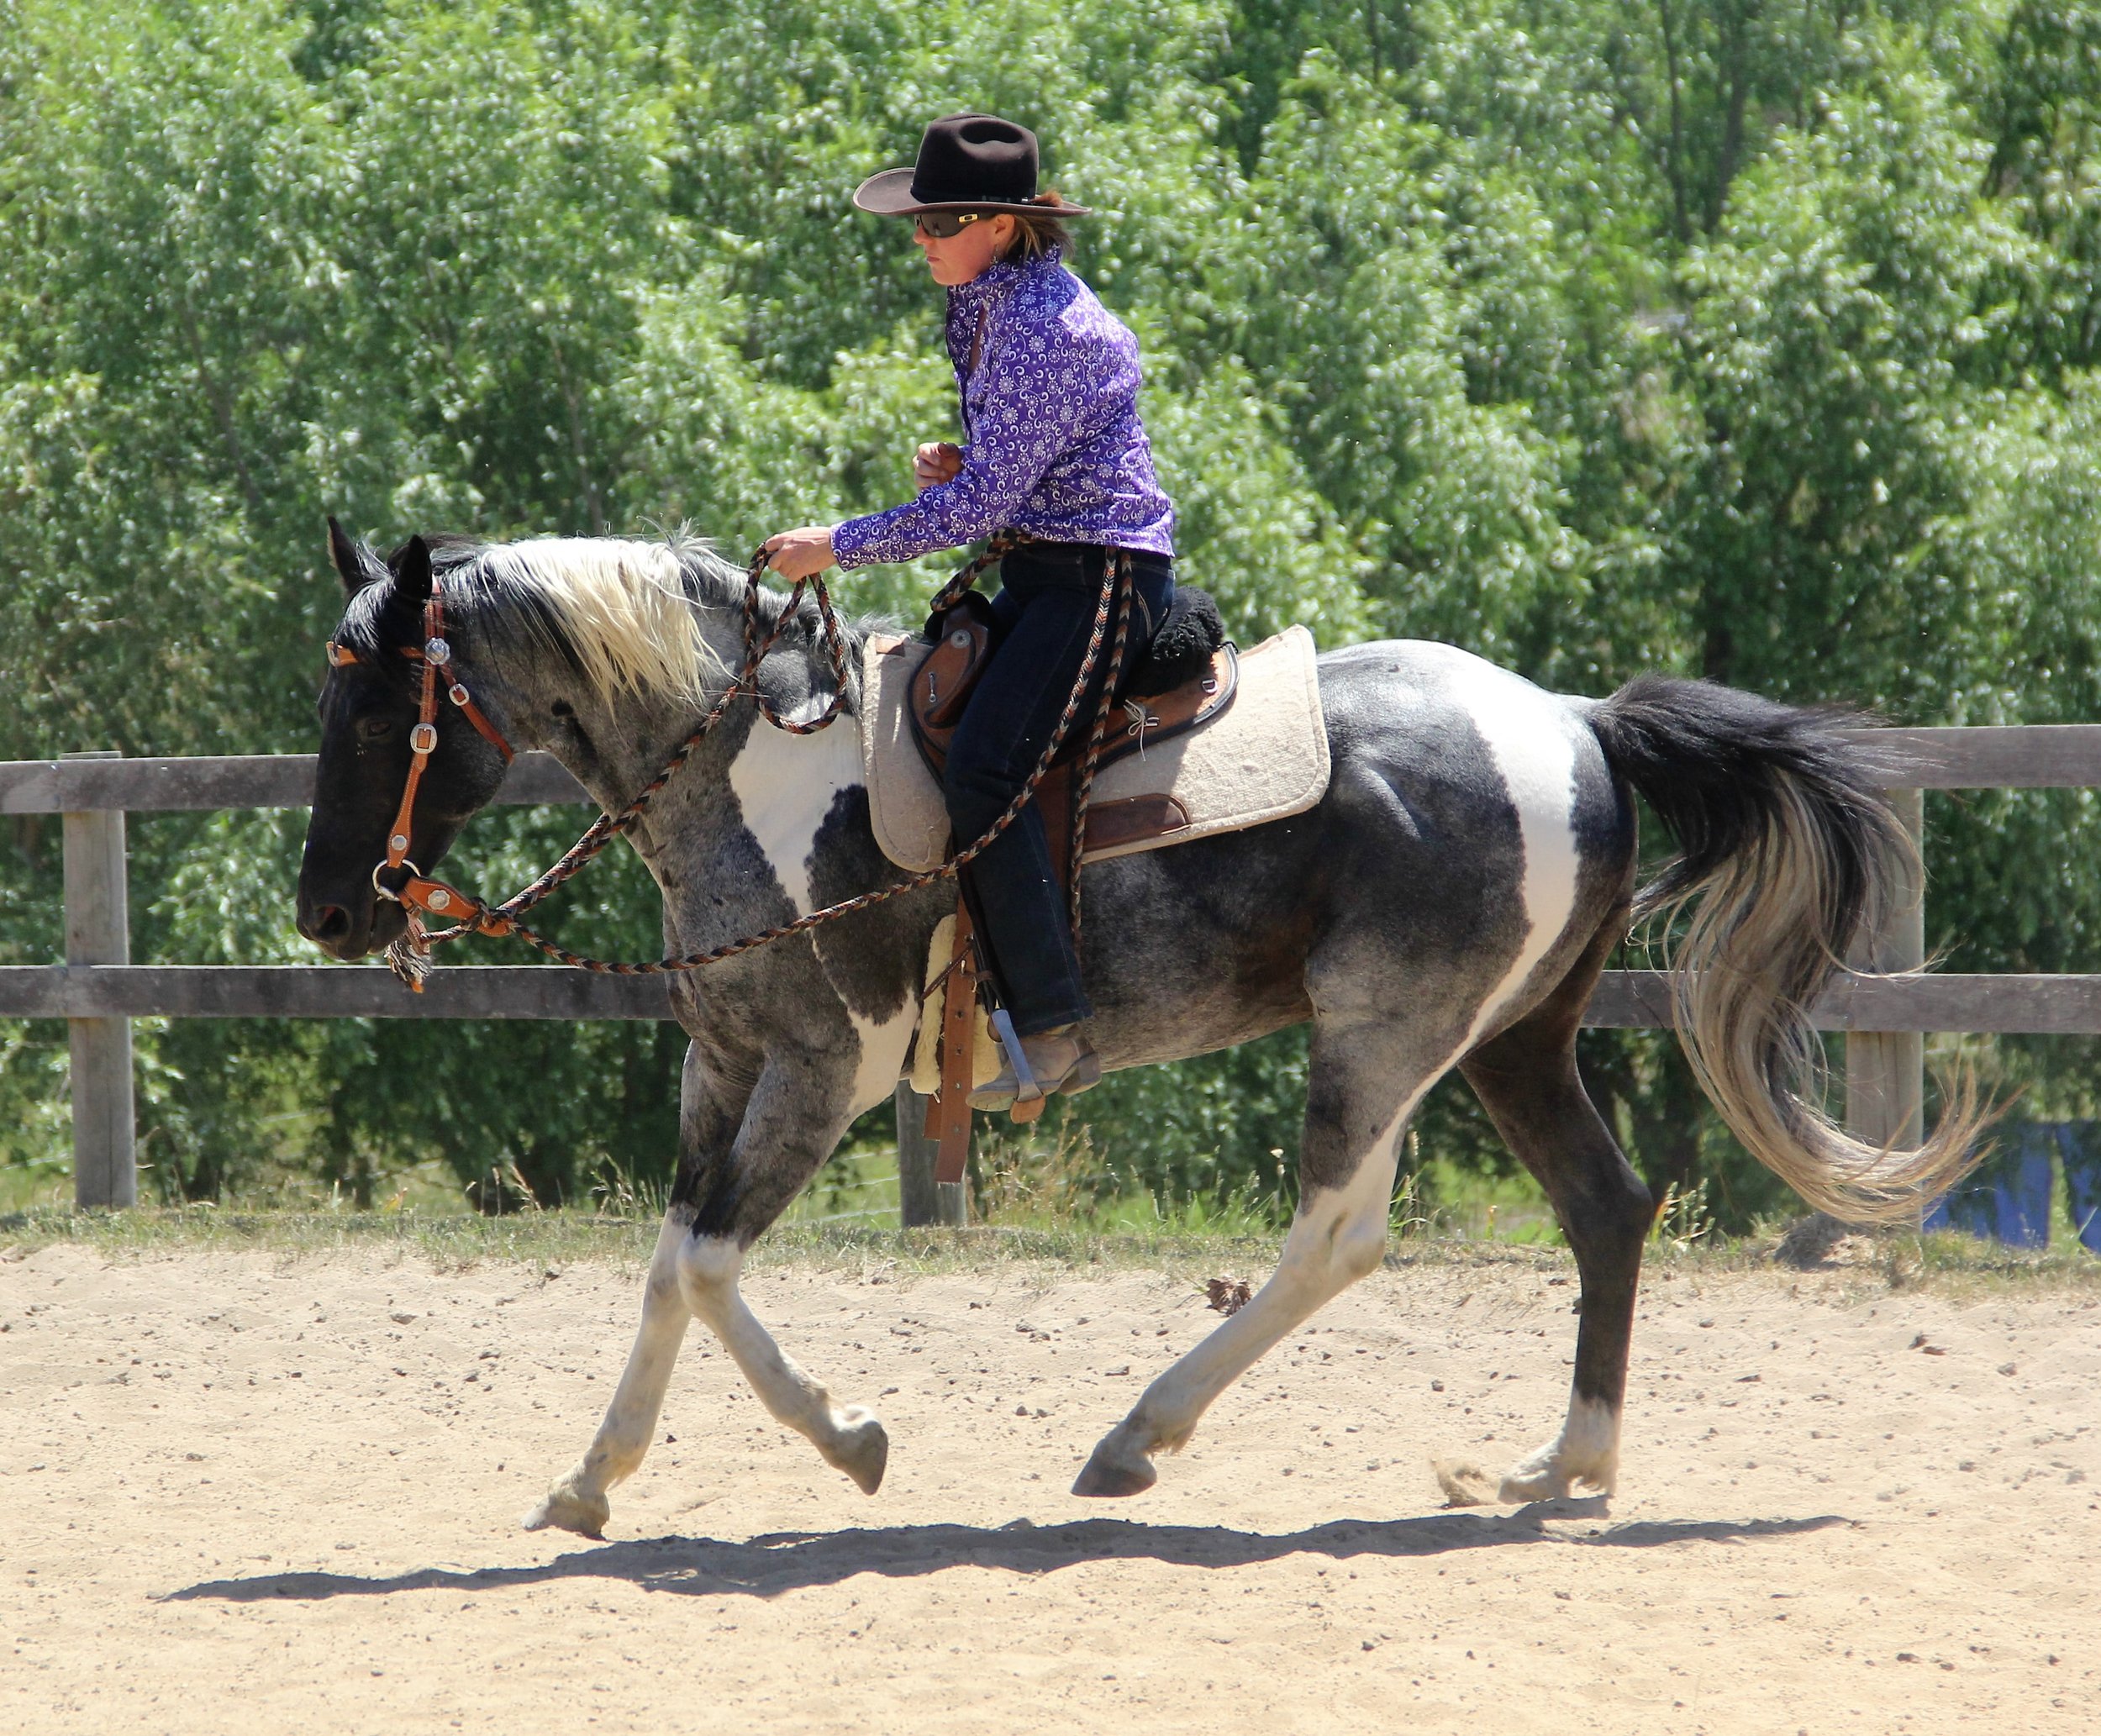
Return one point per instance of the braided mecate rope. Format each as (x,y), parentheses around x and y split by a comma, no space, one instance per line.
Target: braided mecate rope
(1119,573)
(409,957)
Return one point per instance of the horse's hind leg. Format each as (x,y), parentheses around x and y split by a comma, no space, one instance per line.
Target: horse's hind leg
(1527,1081)
(1364,1082)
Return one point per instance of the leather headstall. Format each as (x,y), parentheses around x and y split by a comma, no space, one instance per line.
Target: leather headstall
(416,892)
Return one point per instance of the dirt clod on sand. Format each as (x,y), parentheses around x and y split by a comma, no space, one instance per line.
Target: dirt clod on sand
(1465,1483)
(248,1491)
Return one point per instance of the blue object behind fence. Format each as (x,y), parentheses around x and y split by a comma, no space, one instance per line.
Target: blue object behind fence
(2007,1199)
(2080,1143)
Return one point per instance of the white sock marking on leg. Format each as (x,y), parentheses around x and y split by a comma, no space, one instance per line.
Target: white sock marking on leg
(1339,1236)
(1585,1453)
(617,1450)
(630,1419)
(710,1268)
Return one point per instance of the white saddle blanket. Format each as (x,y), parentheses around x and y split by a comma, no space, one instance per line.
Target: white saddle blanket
(1264,758)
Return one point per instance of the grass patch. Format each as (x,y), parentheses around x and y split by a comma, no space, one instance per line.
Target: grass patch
(565,1238)
(1125,1240)
(1037,1206)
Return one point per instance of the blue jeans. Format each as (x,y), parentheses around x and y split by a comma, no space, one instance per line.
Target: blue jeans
(1046,605)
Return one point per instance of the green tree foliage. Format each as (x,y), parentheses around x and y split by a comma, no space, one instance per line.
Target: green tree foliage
(1729,339)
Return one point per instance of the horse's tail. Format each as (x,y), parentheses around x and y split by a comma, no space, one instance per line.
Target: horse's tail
(1792,851)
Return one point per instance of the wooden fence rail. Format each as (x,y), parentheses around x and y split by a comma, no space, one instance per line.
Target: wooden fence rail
(98,991)
(1626,1000)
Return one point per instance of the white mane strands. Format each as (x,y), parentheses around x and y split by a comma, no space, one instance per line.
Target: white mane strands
(623,607)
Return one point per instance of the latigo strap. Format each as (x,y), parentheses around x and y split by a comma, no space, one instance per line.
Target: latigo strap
(948,1111)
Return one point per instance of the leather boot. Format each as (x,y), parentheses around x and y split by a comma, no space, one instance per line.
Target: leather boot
(1061,1060)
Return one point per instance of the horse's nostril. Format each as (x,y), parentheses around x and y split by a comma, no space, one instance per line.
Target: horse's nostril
(331,922)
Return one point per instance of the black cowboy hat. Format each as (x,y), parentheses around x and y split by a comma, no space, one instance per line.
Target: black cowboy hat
(967,162)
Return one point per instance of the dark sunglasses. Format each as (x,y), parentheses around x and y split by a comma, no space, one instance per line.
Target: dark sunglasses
(943,225)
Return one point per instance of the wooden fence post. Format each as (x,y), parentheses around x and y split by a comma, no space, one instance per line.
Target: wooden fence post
(922,1200)
(98,932)
(1885,1070)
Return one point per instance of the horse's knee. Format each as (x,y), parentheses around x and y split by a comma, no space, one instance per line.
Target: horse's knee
(1359,1248)
(708,1268)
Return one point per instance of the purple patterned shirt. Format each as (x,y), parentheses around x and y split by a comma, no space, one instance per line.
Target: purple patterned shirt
(1053,446)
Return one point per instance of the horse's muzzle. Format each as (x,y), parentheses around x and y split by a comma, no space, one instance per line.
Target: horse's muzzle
(345,931)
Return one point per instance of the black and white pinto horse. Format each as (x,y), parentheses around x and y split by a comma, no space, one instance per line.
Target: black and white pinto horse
(1449,903)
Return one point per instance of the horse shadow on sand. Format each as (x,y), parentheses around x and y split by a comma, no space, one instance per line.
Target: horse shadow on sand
(769,1566)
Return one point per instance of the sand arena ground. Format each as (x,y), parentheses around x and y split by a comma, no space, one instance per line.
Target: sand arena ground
(273,1492)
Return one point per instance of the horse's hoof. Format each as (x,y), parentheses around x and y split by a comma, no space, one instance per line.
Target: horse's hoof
(1553,1474)
(862,1449)
(1110,1472)
(1523,1492)
(1518,1489)
(564,1509)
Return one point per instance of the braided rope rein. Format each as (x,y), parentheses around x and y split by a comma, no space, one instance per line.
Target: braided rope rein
(409,957)
(1083,788)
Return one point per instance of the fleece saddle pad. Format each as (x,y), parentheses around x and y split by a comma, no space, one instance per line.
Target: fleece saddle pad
(986,1057)
(1264,758)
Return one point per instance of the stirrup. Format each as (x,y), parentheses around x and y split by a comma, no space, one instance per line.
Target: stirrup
(1019,1088)
(1026,1090)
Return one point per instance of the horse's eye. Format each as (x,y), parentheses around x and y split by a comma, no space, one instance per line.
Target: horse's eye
(375,729)
(563,708)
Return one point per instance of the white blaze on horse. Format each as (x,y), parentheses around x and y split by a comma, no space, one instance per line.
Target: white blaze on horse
(1449,901)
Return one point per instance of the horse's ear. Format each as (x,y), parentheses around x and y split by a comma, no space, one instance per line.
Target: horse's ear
(412,573)
(355,563)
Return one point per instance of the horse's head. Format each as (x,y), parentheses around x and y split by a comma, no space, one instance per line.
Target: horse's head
(368,707)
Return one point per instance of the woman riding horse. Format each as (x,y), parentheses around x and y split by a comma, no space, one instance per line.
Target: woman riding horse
(1056,452)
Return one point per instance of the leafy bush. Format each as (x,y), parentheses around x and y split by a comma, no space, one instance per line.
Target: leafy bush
(1595,341)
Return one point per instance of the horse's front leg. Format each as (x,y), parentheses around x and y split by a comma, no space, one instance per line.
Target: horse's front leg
(738,1173)
(847,1437)
(708,1117)
(796,1114)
